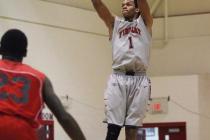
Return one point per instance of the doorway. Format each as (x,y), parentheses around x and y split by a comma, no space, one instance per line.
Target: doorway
(163,131)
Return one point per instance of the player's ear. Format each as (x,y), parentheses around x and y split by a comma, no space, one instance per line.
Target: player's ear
(137,10)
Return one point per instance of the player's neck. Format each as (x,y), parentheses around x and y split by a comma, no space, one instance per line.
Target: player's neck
(12,58)
(131,19)
(128,19)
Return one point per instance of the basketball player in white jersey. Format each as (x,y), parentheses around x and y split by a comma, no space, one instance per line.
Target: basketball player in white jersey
(128,87)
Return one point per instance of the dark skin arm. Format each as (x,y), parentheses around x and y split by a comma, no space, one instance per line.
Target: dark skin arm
(146,15)
(68,123)
(104,14)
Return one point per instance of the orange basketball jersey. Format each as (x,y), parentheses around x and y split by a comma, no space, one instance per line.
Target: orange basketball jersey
(21,91)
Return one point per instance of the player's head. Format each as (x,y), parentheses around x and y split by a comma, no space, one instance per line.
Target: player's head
(14,43)
(130,9)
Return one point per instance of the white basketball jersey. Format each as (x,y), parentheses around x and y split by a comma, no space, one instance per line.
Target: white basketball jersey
(130,45)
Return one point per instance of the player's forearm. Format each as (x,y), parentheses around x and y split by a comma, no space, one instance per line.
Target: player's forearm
(71,127)
(145,11)
(99,7)
(104,13)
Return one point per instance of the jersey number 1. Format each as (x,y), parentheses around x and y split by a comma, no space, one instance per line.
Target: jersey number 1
(130,43)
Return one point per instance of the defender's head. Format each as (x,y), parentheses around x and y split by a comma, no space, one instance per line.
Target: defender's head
(130,9)
(14,43)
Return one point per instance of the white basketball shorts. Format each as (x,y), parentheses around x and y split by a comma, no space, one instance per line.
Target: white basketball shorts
(126,99)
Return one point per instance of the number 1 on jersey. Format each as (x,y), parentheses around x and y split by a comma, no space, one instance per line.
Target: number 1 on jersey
(130,43)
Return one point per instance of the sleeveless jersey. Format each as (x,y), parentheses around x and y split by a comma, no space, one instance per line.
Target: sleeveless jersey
(130,45)
(21,91)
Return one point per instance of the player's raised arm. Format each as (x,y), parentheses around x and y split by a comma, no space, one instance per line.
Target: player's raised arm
(146,15)
(65,119)
(104,13)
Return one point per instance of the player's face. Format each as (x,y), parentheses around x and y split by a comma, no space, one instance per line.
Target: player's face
(128,8)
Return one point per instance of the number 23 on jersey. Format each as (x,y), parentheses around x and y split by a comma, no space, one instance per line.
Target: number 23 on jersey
(15,88)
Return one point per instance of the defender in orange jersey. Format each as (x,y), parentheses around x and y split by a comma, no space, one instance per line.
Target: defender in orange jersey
(23,90)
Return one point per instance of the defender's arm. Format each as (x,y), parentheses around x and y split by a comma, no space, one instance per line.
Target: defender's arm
(65,119)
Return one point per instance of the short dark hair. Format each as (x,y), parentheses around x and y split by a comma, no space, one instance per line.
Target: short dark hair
(136,3)
(14,43)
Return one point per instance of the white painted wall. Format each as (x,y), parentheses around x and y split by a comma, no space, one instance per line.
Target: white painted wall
(204,104)
(70,46)
(184,91)
(187,50)
(189,102)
